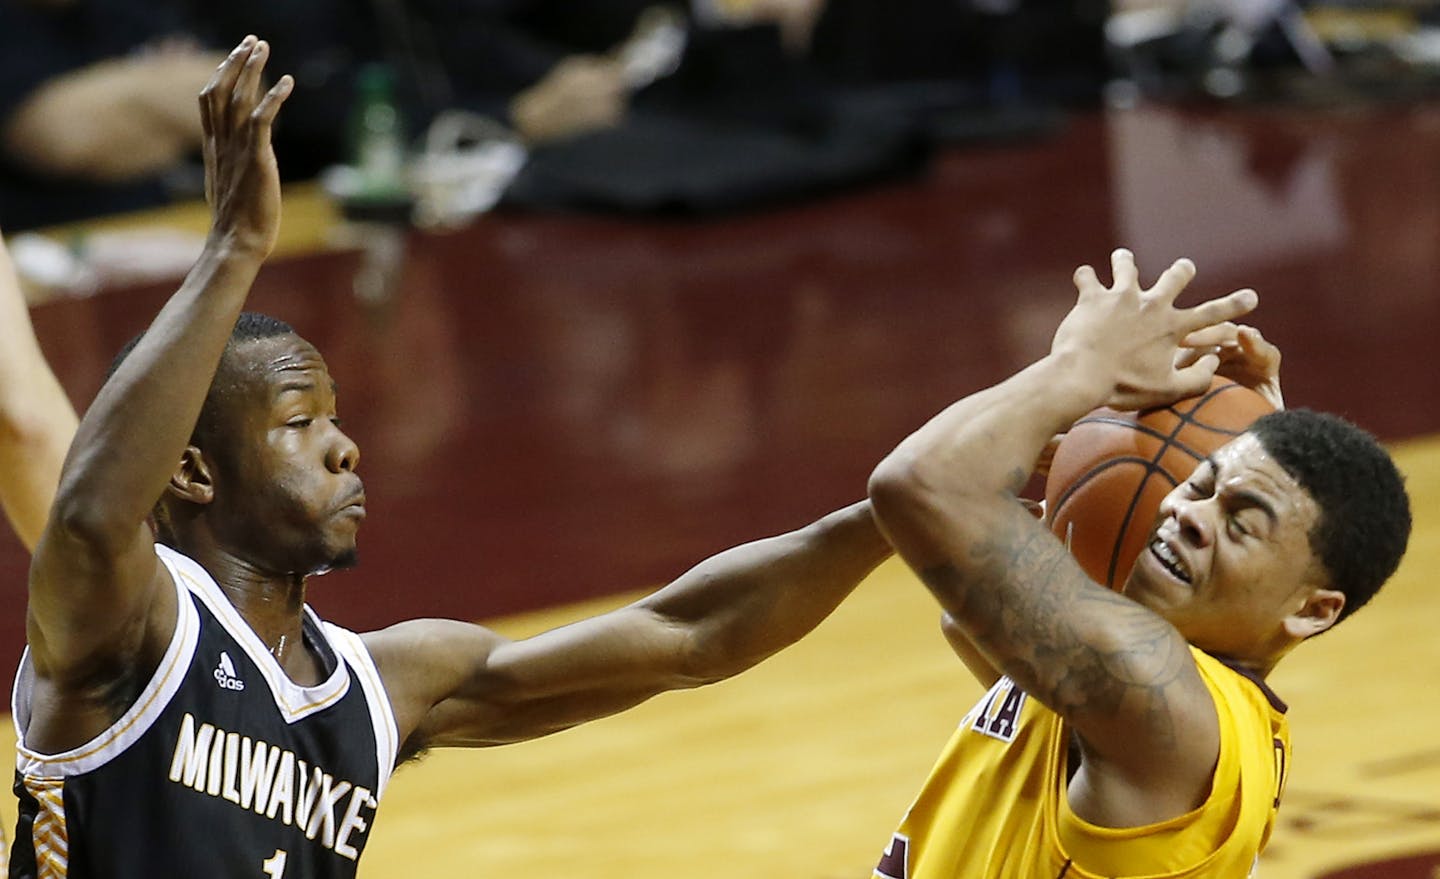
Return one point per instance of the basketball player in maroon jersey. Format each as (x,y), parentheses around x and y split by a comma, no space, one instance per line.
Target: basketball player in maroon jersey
(1127,735)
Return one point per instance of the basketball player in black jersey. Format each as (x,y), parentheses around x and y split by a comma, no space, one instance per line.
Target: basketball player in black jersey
(182,712)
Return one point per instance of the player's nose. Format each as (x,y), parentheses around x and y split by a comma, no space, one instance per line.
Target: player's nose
(1192,517)
(343,454)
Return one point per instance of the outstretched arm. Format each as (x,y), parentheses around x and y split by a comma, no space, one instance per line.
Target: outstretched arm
(946,497)
(459,684)
(95,602)
(36,418)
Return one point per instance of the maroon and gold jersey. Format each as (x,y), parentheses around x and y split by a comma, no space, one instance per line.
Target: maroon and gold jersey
(995,805)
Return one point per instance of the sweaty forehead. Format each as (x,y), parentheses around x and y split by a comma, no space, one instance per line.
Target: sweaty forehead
(1245,464)
(264,369)
(278,359)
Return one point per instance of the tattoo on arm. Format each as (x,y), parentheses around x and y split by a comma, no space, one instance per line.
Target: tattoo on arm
(1083,650)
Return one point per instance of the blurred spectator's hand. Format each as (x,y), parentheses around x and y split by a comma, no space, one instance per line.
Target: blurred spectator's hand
(796,19)
(582,93)
(114,120)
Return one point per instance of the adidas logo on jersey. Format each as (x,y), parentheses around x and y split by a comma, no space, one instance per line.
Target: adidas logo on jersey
(225,674)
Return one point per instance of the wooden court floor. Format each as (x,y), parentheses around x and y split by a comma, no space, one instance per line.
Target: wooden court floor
(801,767)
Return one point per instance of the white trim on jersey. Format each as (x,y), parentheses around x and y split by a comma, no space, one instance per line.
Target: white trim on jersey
(294,701)
(131,726)
(382,715)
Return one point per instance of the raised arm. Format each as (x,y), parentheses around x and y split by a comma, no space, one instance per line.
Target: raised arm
(456,684)
(95,603)
(1245,356)
(36,418)
(946,497)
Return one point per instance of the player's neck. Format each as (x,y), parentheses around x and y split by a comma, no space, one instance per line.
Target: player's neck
(272,605)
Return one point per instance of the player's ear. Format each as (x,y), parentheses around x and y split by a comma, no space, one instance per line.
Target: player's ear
(192,480)
(1320,611)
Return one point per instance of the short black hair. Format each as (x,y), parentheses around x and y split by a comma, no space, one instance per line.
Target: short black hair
(249,327)
(1364,522)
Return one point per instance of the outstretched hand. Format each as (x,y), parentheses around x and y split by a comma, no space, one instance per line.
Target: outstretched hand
(1129,340)
(242,180)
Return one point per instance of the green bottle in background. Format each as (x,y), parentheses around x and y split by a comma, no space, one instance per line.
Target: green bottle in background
(377,136)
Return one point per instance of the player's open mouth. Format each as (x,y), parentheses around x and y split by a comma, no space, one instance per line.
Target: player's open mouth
(1170,560)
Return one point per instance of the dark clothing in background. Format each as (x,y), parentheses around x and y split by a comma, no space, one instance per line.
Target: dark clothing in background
(42,41)
(1038,51)
(468,54)
(38,43)
(322,44)
(741,124)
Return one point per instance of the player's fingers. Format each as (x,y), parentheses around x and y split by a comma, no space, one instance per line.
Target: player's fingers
(264,115)
(247,87)
(1217,311)
(1086,281)
(1173,280)
(1259,348)
(1226,333)
(215,96)
(1123,270)
(1196,377)
(1189,356)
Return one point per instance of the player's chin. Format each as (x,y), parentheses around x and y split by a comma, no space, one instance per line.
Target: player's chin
(348,557)
(338,552)
(334,561)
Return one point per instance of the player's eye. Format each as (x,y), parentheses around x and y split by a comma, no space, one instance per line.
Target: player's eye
(299,423)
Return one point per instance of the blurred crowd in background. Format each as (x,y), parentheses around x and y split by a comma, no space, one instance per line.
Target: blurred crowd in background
(629,105)
(97,97)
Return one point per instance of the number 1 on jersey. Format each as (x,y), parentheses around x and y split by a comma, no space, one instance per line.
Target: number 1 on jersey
(275,866)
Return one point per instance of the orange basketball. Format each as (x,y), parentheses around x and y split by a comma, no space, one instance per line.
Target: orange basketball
(1112,469)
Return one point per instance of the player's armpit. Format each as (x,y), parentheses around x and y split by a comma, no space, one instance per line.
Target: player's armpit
(1120,675)
(87,649)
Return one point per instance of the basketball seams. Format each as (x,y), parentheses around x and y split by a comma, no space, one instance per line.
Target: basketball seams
(1147,430)
(1187,434)
(1095,471)
(1151,467)
(1183,419)
(1124,529)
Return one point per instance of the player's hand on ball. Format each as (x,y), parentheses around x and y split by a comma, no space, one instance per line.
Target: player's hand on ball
(1252,360)
(1246,358)
(1128,339)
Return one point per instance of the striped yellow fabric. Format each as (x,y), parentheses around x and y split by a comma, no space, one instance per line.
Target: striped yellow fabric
(52,844)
